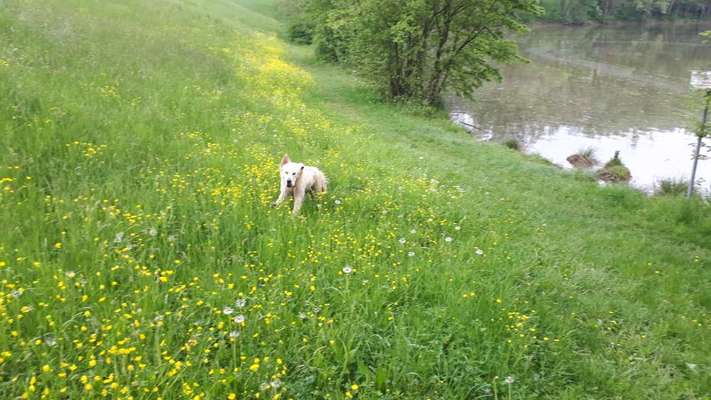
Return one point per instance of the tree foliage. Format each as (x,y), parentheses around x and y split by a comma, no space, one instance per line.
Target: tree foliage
(420,48)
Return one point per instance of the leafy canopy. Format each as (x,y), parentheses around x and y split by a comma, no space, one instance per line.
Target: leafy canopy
(420,48)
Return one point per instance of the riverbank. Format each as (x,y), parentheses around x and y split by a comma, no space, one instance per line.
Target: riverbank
(141,257)
(612,23)
(602,88)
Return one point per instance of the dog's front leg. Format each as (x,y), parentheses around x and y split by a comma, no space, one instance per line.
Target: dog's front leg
(298,200)
(281,198)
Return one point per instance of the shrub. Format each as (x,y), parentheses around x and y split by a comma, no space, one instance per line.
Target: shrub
(614,161)
(589,153)
(513,144)
(301,32)
(671,187)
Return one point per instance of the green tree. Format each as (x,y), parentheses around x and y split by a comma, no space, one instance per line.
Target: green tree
(420,48)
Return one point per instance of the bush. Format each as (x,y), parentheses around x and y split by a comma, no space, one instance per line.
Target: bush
(301,33)
(513,144)
(589,153)
(671,187)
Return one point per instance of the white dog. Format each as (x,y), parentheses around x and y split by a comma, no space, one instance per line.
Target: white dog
(296,180)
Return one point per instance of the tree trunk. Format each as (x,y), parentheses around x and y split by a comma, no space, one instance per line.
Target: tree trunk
(433,86)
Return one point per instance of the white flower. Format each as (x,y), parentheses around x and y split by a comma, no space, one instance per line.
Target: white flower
(479,252)
(456,228)
(50,341)
(240,303)
(16,293)
(234,334)
(347,269)
(338,202)
(70,274)
(509,380)
(171,238)
(275,384)
(410,253)
(402,240)
(317,310)
(152,231)
(118,238)
(264,386)
(227,310)
(239,319)
(302,315)
(413,231)
(448,239)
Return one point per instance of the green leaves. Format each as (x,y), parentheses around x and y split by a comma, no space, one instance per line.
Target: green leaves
(419,49)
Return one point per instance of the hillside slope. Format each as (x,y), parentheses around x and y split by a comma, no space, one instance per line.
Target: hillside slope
(140,257)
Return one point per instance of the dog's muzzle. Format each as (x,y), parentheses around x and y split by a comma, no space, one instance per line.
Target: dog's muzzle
(288,183)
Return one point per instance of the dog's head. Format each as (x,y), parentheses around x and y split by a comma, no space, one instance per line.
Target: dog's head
(290,171)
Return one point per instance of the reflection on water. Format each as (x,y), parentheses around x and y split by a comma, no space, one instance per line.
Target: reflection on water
(609,88)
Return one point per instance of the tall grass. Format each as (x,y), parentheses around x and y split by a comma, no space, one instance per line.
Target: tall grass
(139,257)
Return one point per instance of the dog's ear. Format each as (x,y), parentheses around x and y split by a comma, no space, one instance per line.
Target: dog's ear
(302,167)
(285,159)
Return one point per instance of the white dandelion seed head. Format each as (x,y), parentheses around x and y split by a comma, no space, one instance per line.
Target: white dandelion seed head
(302,315)
(50,341)
(410,253)
(171,238)
(234,334)
(119,237)
(402,241)
(240,303)
(239,319)
(152,231)
(16,293)
(456,228)
(509,380)
(316,310)
(347,269)
(70,274)
(412,231)
(479,252)
(338,202)
(448,239)
(227,310)
(275,384)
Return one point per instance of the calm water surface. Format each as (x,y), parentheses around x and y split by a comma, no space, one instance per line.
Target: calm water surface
(606,88)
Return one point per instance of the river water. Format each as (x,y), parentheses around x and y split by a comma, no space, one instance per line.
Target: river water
(611,88)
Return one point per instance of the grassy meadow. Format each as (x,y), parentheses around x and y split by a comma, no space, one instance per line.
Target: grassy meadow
(140,257)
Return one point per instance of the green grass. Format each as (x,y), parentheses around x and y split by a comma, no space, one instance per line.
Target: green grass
(139,156)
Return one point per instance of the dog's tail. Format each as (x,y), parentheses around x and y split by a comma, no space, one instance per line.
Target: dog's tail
(321,182)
